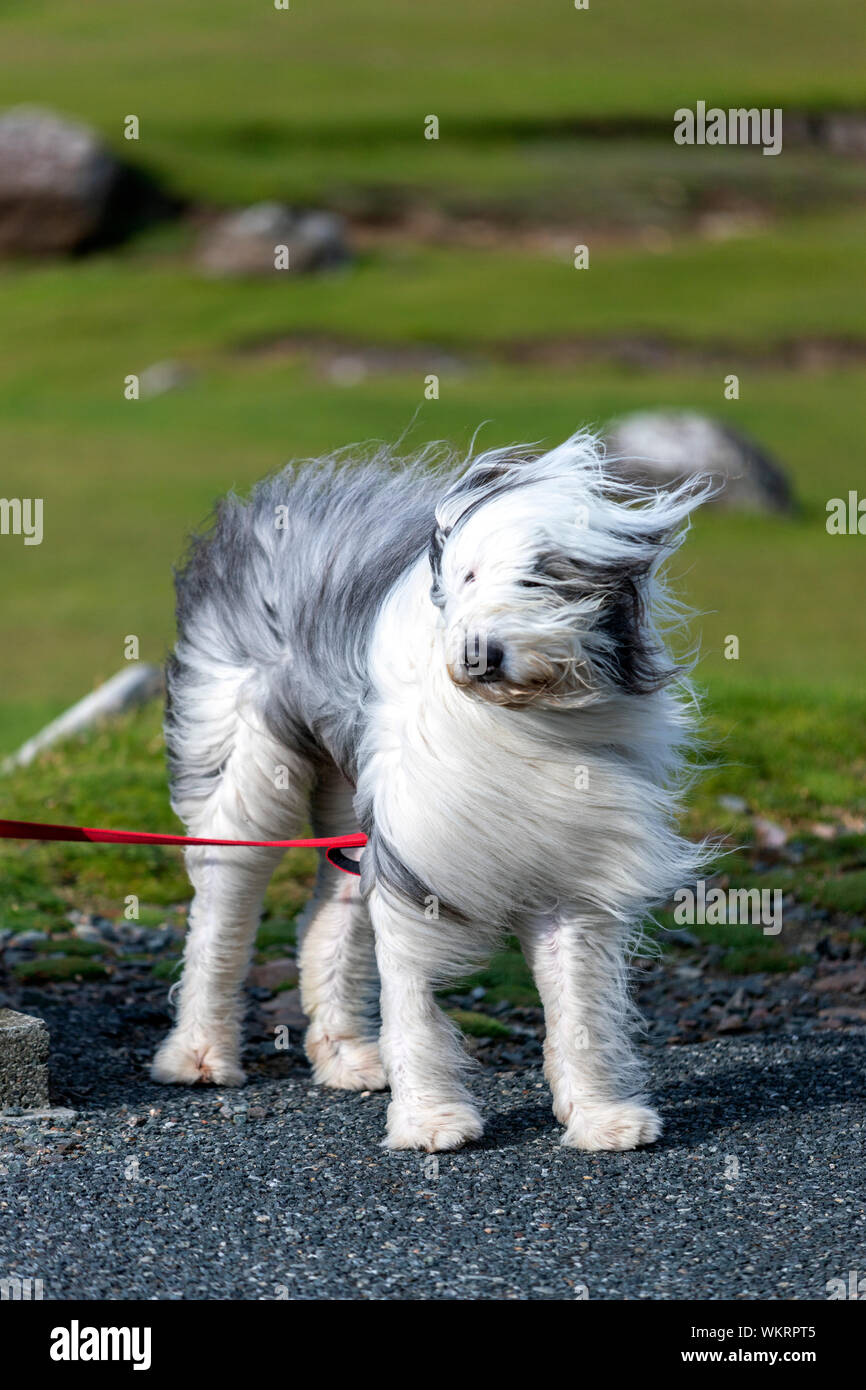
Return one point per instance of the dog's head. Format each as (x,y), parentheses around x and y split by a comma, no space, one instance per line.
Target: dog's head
(545,570)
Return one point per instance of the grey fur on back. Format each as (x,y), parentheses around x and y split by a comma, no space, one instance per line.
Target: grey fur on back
(296,601)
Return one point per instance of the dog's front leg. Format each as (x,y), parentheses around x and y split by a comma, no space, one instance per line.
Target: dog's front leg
(579,964)
(421,1049)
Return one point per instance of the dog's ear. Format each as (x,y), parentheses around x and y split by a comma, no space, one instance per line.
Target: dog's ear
(641,528)
(626,592)
(630,652)
(434,554)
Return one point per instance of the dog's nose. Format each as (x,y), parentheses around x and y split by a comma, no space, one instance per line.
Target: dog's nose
(484,658)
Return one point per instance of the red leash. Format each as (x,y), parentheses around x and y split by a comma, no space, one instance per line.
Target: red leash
(37,830)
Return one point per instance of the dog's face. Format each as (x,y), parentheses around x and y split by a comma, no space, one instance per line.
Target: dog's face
(543,571)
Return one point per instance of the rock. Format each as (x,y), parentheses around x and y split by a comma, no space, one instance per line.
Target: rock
(62,190)
(842,1015)
(130,933)
(55,182)
(681,937)
(845,980)
(160,938)
(844,133)
(161,377)
(827,948)
(768,834)
(23,1061)
(661,447)
(286,1009)
(759,1018)
(755,985)
(85,932)
(731,1023)
(245,243)
(822,831)
(134,685)
(230,1110)
(273,974)
(54,1114)
(26,940)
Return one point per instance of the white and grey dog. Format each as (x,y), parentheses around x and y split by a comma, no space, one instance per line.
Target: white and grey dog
(466,663)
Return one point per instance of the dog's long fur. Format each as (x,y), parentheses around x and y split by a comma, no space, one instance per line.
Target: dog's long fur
(464,661)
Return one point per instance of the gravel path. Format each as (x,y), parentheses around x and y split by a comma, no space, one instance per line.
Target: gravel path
(282,1190)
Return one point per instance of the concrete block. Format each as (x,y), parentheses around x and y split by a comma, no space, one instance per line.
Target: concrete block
(23,1061)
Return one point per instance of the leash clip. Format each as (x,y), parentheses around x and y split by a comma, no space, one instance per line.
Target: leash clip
(343,862)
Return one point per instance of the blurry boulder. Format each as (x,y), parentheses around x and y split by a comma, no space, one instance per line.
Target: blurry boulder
(662,447)
(844,133)
(161,377)
(62,190)
(55,181)
(247,242)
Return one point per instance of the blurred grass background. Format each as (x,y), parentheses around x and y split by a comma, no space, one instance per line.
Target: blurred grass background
(552,133)
(228,92)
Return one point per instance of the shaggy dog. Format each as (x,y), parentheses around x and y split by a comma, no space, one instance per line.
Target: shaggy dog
(465,662)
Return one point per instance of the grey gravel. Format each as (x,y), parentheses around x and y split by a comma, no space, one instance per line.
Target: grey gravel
(282,1189)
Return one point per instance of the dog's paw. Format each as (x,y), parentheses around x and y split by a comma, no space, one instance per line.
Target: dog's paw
(182,1062)
(616,1125)
(433,1128)
(347,1064)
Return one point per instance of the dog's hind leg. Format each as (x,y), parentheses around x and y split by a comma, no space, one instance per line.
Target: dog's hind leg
(339,980)
(232,780)
(421,1048)
(579,964)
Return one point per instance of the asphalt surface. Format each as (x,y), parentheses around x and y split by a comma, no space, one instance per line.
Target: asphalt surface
(283,1191)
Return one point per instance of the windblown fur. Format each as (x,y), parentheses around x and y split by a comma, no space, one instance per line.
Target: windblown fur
(468,662)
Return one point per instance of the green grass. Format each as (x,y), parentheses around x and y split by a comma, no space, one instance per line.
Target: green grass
(791,756)
(627,184)
(70,946)
(166,968)
(477,1025)
(507,978)
(44,971)
(76,331)
(233,98)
